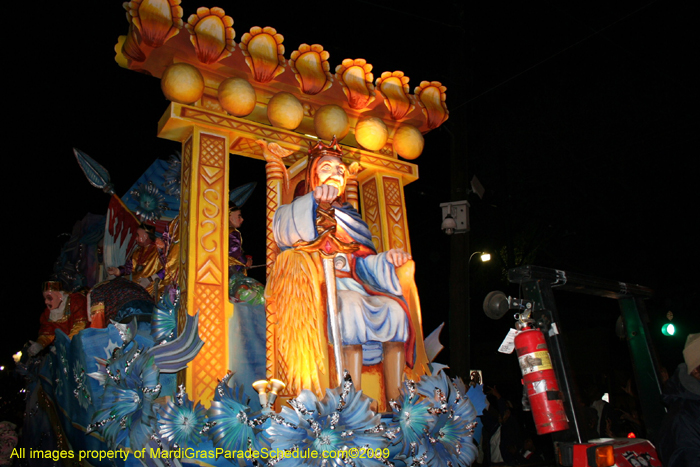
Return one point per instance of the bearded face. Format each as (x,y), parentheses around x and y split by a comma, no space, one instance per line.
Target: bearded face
(331,171)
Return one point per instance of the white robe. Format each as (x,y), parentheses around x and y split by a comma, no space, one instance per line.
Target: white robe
(365,318)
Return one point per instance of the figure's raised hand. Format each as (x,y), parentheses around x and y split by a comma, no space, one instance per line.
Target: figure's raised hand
(397,257)
(325,193)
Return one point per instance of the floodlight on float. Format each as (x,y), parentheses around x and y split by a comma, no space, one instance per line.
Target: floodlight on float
(261,387)
(275,387)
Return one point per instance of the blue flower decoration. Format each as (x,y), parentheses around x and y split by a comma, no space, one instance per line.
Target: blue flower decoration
(342,421)
(128,404)
(412,419)
(182,422)
(151,202)
(232,425)
(164,318)
(451,436)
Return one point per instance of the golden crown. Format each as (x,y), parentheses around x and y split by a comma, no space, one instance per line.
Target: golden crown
(321,149)
(51,286)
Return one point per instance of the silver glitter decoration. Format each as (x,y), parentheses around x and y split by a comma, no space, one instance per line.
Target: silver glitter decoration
(180,394)
(440,396)
(376,429)
(64,364)
(207,426)
(242,417)
(281,421)
(334,420)
(395,405)
(347,384)
(392,434)
(422,460)
(154,390)
(301,409)
(93,426)
(81,389)
(430,438)
(411,385)
(159,443)
(222,384)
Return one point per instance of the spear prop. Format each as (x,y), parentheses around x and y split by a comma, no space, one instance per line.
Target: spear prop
(95,173)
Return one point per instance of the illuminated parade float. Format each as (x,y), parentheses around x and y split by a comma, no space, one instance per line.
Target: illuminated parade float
(327,363)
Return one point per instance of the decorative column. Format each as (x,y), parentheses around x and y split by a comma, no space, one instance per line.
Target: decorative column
(275,173)
(384,210)
(396,232)
(204,255)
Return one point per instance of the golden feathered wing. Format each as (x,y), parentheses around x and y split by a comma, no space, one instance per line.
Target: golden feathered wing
(295,308)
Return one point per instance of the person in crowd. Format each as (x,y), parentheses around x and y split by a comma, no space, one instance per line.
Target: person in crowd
(678,441)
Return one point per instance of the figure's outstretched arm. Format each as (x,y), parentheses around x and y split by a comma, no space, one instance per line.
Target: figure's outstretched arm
(295,221)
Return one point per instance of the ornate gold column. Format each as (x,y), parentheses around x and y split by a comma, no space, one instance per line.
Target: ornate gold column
(204,255)
(275,176)
(384,210)
(274,173)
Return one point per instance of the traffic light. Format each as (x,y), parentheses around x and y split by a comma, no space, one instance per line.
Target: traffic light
(668,329)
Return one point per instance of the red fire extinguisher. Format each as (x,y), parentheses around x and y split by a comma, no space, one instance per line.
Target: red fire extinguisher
(540,381)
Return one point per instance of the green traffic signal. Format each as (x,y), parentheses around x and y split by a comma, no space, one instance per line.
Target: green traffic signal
(668,329)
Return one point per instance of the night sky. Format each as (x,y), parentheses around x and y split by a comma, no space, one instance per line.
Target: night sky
(580,120)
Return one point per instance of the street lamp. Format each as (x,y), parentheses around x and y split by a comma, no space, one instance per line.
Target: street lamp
(484,257)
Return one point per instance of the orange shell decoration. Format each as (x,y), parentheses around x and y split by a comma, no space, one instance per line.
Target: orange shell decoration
(310,66)
(156,20)
(264,52)
(355,78)
(130,47)
(212,34)
(394,88)
(431,98)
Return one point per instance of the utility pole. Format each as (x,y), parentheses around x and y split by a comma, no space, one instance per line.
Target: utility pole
(459,329)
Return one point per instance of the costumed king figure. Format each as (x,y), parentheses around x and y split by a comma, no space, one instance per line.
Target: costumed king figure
(374,317)
(64,311)
(147,263)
